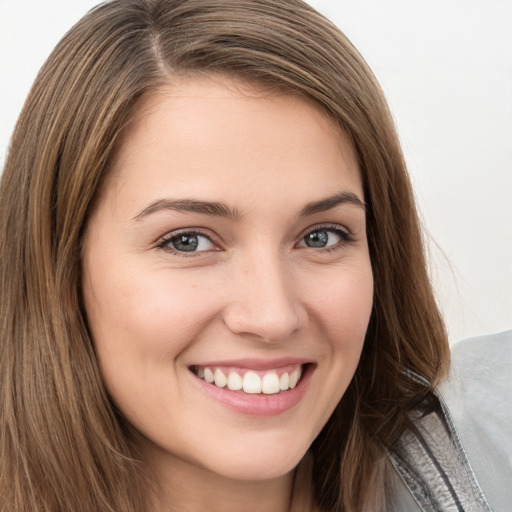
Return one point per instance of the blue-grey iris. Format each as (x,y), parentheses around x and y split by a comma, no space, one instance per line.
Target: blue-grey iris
(186,243)
(317,239)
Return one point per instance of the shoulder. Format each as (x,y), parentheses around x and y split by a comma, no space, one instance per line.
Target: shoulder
(459,452)
(478,396)
(482,360)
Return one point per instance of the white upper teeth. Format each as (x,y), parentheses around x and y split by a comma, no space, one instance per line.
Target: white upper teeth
(208,375)
(220,379)
(251,382)
(235,382)
(270,384)
(284,381)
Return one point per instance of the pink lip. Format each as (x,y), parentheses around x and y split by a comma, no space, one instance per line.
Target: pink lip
(258,404)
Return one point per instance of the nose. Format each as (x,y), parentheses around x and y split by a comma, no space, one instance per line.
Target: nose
(263,302)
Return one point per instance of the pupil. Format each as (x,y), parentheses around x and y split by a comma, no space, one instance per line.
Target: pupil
(317,239)
(187,243)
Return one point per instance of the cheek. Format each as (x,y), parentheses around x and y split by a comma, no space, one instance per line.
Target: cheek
(141,322)
(122,306)
(140,327)
(343,304)
(339,313)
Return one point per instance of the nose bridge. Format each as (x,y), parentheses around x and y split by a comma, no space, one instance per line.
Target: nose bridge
(265,303)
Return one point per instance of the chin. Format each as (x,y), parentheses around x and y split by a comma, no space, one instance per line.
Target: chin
(260,459)
(260,469)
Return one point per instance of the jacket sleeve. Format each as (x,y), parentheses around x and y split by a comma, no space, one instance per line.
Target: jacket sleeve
(478,394)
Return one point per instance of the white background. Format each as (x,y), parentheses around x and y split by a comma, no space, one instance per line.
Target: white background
(446,68)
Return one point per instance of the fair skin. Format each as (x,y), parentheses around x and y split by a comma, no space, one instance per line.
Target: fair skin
(229,237)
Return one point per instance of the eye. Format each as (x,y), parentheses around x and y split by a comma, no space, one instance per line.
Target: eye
(325,238)
(187,241)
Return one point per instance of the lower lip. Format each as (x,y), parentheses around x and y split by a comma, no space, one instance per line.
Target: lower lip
(259,404)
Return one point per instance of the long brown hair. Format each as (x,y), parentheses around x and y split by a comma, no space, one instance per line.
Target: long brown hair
(62,446)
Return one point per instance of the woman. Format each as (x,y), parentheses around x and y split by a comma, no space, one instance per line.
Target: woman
(214,287)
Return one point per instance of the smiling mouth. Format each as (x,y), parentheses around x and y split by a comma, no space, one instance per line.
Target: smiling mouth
(253,382)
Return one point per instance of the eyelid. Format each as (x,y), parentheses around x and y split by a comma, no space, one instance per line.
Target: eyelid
(327,226)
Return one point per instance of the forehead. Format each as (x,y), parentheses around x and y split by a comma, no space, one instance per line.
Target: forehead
(200,131)
(202,99)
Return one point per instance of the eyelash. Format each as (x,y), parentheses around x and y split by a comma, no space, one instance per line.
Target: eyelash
(346,238)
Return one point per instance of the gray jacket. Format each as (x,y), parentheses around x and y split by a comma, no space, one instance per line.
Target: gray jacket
(460,458)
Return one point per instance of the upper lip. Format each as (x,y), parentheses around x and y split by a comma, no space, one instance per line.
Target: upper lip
(255,363)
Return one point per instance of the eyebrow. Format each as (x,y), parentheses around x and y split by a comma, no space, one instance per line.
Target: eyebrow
(328,203)
(217,209)
(212,208)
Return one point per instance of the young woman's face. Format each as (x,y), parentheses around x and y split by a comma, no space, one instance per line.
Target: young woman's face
(228,244)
